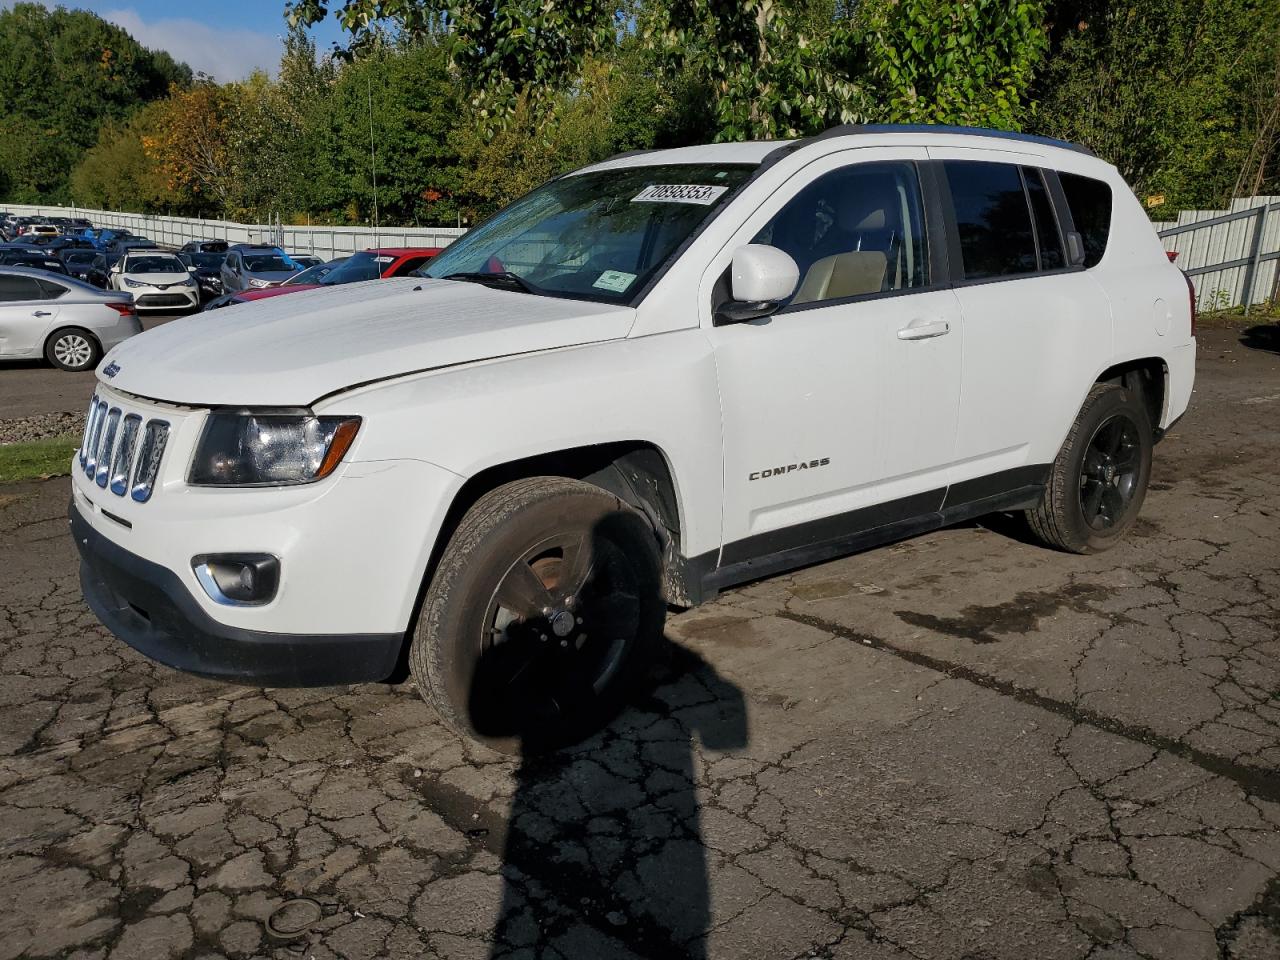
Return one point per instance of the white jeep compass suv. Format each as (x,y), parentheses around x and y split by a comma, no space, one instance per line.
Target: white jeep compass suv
(646,381)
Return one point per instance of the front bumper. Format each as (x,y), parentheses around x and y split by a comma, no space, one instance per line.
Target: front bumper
(148,607)
(175,298)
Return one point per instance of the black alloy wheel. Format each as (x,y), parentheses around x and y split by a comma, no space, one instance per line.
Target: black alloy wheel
(1109,477)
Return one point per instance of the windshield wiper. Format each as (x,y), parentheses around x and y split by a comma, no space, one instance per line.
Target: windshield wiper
(505,279)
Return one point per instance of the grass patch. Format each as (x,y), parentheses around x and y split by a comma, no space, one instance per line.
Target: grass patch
(37,459)
(1233,317)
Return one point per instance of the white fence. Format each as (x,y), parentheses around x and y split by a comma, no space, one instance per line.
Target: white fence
(325,242)
(1232,256)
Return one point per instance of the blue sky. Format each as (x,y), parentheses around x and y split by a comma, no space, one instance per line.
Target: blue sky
(225,38)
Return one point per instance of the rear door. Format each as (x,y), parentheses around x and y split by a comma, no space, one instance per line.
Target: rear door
(25,315)
(1034,324)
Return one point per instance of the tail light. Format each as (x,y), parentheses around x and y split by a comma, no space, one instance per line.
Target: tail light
(1191,294)
(1172,255)
(125,309)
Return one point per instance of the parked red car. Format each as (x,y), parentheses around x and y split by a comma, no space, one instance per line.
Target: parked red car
(366,265)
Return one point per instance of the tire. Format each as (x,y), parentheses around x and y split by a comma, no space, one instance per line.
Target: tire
(73,349)
(487,655)
(1099,479)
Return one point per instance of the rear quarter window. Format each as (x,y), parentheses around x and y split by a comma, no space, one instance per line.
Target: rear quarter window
(1090,203)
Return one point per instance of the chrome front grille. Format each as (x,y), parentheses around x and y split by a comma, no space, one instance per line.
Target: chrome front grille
(108,448)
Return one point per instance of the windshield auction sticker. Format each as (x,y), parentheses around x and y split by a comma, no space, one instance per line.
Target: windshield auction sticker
(615,280)
(701,193)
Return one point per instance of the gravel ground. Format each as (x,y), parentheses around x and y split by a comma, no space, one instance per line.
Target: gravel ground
(40,427)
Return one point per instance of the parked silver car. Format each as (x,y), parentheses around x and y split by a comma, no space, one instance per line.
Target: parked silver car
(70,323)
(253,266)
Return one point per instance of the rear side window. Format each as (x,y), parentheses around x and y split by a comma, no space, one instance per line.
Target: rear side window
(1048,236)
(51,291)
(993,219)
(19,288)
(1090,204)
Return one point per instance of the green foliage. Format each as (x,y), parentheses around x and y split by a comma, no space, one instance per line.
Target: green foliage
(951,61)
(116,173)
(400,101)
(774,68)
(34,158)
(503,50)
(1162,89)
(62,74)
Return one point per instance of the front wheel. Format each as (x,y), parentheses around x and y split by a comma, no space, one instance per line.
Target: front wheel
(544,609)
(72,349)
(1099,479)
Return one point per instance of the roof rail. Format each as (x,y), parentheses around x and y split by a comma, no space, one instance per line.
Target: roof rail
(851,129)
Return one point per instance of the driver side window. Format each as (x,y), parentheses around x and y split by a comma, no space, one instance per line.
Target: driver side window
(857,231)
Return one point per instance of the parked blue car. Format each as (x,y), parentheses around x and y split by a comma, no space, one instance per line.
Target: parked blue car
(101,237)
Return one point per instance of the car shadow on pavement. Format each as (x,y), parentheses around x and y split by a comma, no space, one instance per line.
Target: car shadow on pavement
(1264,336)
(604,854)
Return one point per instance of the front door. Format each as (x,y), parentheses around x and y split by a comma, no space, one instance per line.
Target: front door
(839,410)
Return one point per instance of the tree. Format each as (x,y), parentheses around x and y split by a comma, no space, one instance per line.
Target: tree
(1162,89)
(62,74)
(774,68)
(34,158)
(188,142)
(390,113)
(951,61)
(500,49)
(116,173)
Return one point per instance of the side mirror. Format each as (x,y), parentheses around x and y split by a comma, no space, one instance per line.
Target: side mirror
(761,277)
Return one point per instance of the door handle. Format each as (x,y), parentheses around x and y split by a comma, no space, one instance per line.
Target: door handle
(924,330)
(42,313)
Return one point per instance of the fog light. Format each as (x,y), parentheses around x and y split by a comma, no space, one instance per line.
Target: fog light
(238,579)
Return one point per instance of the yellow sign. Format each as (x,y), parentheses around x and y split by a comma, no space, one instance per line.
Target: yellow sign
(1155,200)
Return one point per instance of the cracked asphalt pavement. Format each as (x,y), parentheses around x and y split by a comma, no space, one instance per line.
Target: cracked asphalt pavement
(963,745)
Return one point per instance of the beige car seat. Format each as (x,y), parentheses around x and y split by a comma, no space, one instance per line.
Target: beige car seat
(855,272)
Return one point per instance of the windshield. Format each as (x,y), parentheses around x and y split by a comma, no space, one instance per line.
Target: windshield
(205,261)
(595,236)
(267,263)
(154,264)
(311,274)
(82,256)
(357,267)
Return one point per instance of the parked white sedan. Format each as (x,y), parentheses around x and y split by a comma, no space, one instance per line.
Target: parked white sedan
(157,280)
(68,322)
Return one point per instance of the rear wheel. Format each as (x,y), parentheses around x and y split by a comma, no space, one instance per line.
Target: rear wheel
(72,349)
(1099,479)
(543,610)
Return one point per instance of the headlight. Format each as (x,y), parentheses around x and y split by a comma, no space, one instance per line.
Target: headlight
(255,282)
(246,449)
(189,282)
(134,283)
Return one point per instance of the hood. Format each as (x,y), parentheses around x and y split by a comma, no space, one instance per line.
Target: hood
(272,276)
(290,351)
(268,292)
